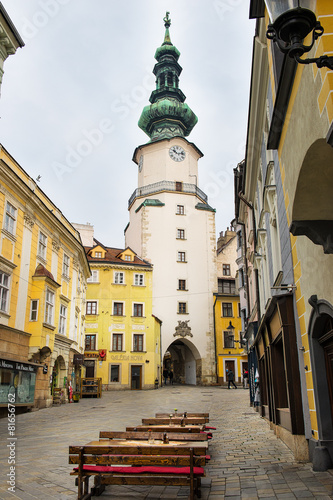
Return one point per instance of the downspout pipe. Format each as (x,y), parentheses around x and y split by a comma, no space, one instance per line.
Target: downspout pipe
(216,370)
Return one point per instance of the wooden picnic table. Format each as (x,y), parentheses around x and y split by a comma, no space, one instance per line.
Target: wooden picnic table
(131,444)
(174,420)
(187,415)
(182,414)
(167,428)
(133,462)
(142,435)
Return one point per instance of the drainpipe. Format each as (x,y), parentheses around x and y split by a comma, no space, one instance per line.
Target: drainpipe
(216,371)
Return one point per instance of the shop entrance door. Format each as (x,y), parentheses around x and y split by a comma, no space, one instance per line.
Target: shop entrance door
(136,377)
(90,368)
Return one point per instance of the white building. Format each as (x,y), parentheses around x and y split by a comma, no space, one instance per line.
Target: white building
(173,227)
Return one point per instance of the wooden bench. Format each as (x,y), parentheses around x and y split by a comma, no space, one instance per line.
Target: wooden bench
(182,414)
(165,428)
(175,420)
(143,435)
(161,465)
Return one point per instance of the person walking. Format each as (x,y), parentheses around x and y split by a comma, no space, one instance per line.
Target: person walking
(171,377)
(165,376)
(231,378)
(245,378)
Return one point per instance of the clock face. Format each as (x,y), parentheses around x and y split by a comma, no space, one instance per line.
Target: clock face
(177,153)
(140,163)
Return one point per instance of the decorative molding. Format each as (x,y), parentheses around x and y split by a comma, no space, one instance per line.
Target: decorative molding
(55,246)
(183,330)
(29,222)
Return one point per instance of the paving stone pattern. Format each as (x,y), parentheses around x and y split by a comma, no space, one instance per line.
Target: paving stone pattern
(248,461)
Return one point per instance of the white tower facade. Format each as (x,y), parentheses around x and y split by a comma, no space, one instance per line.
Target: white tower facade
(172,226)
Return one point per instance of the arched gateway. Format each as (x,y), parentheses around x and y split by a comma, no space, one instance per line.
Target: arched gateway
(183,358)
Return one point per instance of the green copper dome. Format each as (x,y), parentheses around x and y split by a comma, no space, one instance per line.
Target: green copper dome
(167,116)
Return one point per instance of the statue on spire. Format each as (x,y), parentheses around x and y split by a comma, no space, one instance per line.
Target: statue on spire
(167,20)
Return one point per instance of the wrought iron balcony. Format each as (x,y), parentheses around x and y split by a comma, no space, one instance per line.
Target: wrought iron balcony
(159,187)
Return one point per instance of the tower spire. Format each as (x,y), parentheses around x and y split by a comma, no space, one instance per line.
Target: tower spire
(167,24)
(167,116)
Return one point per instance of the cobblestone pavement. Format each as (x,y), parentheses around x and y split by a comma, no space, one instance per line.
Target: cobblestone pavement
(248,461)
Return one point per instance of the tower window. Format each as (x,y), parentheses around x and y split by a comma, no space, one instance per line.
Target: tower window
(180,210)
(181,257)
(179,186)
(181,284)
(182,308)
(181,234)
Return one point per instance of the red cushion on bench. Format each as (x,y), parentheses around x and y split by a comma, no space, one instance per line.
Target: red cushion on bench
(198,471)
(210,427)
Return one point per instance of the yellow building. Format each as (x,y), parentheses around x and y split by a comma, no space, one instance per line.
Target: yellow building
(230,352)
(286,182)
(43,272)
(122,337)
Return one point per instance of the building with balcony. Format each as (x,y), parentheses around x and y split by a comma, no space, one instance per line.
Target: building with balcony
(43,273)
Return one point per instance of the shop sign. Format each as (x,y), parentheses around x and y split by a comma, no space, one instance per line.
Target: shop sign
(17,379)
(17,365)
(78,359)
(91,354)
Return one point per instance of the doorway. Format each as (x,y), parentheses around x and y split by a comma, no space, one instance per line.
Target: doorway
(90,368)
(229,365)
(136,377)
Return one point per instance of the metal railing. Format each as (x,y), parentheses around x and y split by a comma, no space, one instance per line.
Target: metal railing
(157,187)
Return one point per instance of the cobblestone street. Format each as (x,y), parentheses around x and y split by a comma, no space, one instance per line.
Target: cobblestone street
(247,460)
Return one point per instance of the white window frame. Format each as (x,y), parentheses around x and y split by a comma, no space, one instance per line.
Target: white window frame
(10,218)
(4,291)
(49,306)
(42,245)
(62,319)
(122,341)
(181,234)
(143,342)
(180,256)
(118,278)
(119,373)
(65,265)
(118,302)
(91,302)
(94,278)
(34,309)
(139,279)
(143,309)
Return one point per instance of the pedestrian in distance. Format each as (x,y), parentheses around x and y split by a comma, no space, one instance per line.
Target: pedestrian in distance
(171,377)
(231,377)
(165,376)
(245,378)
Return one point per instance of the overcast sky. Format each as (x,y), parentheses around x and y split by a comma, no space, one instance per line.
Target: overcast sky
(72,96)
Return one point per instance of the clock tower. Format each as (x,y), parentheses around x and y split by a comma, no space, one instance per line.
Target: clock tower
(173,226)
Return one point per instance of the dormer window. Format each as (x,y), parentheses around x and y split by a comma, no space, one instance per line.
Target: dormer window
(98,255)
(128,258)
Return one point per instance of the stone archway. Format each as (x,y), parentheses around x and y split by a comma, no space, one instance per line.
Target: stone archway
(312,214)
(321,354)
(185,360)
(59,372)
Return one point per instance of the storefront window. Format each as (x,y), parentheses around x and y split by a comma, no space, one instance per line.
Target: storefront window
(17,379)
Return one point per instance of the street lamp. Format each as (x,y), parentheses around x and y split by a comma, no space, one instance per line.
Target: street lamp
(292,21)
